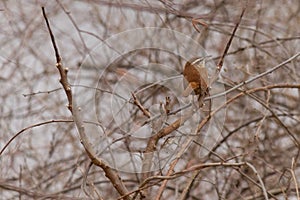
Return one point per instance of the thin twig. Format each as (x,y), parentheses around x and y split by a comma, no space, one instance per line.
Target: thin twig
(30,127)
(110,173)
(171,176)
(294,177)
(41,92)
(264,190)
(58,58)
(62,71)
(198,21)
(220,63)
(140,106)
(254,78)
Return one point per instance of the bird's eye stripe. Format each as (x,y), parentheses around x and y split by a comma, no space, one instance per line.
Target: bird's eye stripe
(196,61)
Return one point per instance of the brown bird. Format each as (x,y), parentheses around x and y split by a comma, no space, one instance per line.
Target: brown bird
(196,78)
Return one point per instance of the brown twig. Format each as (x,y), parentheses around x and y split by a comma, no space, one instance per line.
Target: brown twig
(220,63)
(30,127)
(292,170)
(171,176)
(139,105)
(41,92)
(62,71)
(198,21)
(153,140)
(255,77)
(110,173)
(203,122)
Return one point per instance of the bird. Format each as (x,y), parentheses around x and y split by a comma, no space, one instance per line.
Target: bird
(196,79)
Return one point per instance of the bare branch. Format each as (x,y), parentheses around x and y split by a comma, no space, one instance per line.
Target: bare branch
(62,71)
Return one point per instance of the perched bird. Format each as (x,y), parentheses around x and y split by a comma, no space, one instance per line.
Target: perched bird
(196,79)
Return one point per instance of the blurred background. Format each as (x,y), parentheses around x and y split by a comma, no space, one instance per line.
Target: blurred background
(261,126)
